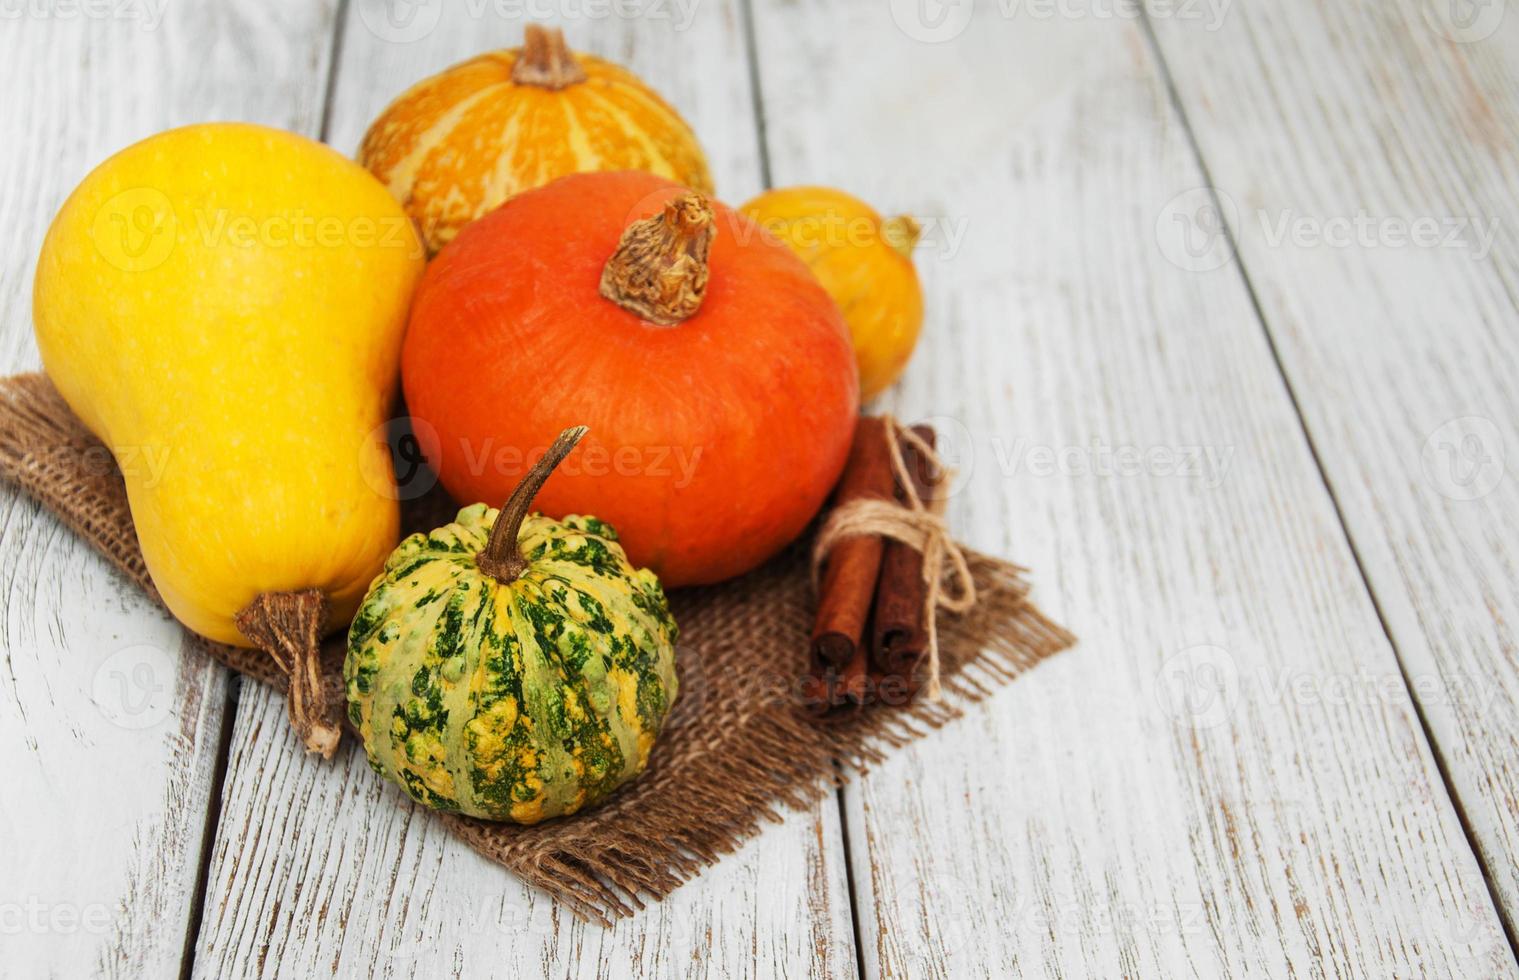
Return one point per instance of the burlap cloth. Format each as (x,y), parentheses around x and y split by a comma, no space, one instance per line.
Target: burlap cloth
(737,745)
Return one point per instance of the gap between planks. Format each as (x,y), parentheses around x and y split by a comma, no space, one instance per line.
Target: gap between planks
(348,53)
(767,182)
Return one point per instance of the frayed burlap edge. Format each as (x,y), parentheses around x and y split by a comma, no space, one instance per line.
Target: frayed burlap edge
(737,748)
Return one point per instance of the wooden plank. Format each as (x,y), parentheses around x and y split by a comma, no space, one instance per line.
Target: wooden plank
(323,870)
(320,869)
(1369,153)
(1227,776)
(109,726)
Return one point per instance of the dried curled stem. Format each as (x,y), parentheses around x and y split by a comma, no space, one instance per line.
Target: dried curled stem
(288,626)
(546,61)
(502,558)
(659,270)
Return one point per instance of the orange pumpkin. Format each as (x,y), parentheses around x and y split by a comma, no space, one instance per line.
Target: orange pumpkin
(462,142)
(715,374)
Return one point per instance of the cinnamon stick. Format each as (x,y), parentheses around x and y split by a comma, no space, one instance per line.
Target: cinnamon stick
(854,680)
(899,638)
(839,638)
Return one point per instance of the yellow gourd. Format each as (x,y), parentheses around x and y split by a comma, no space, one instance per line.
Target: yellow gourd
(223,305)
(865,264)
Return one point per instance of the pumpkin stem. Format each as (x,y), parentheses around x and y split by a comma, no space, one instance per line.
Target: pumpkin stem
(901,233)
(545,60)
(288,626)
(502,559)
(659,271)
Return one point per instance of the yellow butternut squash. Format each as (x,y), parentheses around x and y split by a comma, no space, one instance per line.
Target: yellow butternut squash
(229,300)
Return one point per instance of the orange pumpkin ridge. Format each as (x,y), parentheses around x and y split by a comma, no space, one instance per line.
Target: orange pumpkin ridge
(714,436)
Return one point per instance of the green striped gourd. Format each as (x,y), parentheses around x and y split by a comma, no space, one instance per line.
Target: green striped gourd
(509,666)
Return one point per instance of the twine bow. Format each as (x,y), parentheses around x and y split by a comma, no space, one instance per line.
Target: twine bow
(919,525)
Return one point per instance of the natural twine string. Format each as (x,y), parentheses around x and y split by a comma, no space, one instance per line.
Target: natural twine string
(920,526)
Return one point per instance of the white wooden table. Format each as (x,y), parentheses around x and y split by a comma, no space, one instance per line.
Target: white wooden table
(1257,463)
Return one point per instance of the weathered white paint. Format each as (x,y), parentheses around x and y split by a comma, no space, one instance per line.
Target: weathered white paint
(1370,169)
(109,728)
(1091,821)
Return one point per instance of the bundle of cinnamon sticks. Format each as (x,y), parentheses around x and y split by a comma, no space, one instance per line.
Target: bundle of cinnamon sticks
(869,637)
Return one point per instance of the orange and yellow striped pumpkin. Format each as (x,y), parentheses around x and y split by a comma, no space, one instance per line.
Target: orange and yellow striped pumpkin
(459,144)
